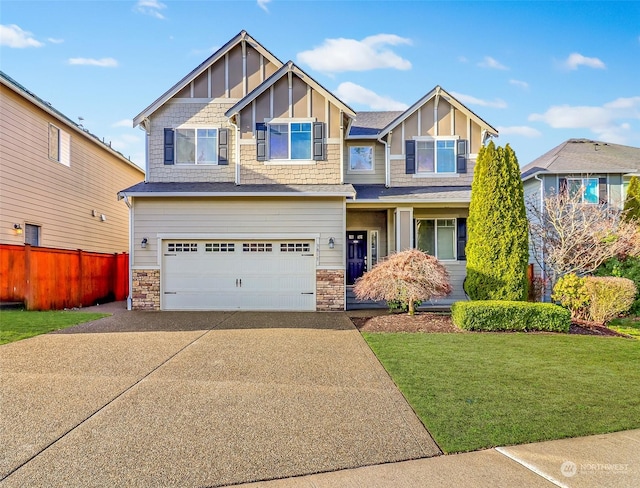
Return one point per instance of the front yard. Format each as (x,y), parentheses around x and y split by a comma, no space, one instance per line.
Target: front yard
(478,390)
(18,325)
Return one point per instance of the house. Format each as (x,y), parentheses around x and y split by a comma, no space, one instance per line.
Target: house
(60,219)
(264,191)
(598,171)
(59,182)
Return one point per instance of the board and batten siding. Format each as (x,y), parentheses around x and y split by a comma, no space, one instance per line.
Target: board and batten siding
(37,190)
(214,216)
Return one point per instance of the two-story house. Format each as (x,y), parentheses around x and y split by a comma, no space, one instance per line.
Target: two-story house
(264,191)
(599,172)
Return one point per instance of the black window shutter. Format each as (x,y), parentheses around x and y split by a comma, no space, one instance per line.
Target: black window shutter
(318,141)
(461,160)
(223,146)
(410,157)
(169,146)
(462,238)
(261,141)
(602,190)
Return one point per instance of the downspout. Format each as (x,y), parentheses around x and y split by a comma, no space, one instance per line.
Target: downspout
(231,121)
(387,162)
(342,141)
(128,203)
(145,125)
(544,268)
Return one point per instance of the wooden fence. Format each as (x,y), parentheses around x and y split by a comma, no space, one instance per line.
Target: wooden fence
(52,279)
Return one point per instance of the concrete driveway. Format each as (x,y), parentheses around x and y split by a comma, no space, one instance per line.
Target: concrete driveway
(198,399)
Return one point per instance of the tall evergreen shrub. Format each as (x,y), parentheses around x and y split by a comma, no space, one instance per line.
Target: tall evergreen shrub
(632,202)
(498,246)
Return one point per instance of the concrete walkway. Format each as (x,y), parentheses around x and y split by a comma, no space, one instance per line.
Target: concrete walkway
(198,399)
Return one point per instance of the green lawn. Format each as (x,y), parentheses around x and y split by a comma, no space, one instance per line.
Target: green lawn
(17,325)
(474,391)
(627,325)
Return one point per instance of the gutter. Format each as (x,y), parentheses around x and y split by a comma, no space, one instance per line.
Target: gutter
(237,138)
(122,195)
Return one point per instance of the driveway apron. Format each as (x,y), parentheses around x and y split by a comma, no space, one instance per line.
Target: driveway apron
(199,399)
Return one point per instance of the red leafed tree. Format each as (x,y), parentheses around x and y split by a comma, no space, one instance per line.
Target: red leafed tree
(404,277)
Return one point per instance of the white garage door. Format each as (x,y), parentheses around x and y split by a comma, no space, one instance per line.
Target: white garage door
(238,275)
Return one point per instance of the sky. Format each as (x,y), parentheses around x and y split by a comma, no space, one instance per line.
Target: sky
(539,72)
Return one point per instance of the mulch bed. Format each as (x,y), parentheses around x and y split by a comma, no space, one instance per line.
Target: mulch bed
(440,322)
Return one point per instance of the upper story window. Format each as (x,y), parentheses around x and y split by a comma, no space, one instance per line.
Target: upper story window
(295,141)
(436,156)
(196,146)
(361,159)
(59,145)
(586,187)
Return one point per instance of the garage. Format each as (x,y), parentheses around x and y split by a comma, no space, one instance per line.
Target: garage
(238,275)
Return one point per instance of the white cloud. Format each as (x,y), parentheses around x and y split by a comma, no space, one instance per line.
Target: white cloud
(204,52)
(150,7)
(576,60)
(463,59)
(519,130)
(13,36)
(351,93)
(263,4)
(53,40)
(610,122)
(337,55)
(469,100)
(489,62)
(123,123)
(522,84)
(102,63)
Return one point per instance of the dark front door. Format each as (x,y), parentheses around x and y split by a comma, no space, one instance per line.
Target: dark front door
(356,255)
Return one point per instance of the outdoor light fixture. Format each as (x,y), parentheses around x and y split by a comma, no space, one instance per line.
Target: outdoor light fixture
(17,228)
(94,213)
(143,244)
(103,218)
(332,242)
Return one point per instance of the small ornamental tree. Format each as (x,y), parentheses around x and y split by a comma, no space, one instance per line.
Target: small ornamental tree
(405,277)
(632,203)
(497,247)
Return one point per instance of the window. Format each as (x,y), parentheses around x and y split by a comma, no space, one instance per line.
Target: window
(182,247)
(219,247)
(361,158)
(257,247)
(436,156)
(588,187)
(290,141)
(32,234)
(196,146)
(437,237)
(295,247)
(59,145)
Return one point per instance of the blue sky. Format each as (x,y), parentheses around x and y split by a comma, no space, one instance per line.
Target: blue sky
(540,72)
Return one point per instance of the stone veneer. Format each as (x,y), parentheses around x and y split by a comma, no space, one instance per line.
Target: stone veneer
(145,292)
(329,290)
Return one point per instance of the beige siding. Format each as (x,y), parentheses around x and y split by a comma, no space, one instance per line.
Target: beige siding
(281,98)
(318,106)
(366,178)
(235,72)
(246,122)
(462,124)
(174,114)
(299,99)
(254,76)
(218,87)
(209,216)
(444,118)
(201,85)
(399,177)
(427,124)
(411,127)
(184,92)
(269,69)
(476,138)
(334,121)
(263,107)
(60,199)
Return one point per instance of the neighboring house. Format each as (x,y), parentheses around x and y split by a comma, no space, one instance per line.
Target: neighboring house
(59,183)
(599,171)
(264,191)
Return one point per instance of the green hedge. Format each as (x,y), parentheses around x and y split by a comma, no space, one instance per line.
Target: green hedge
(494,315)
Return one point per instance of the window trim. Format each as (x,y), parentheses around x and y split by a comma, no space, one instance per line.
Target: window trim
(39,234)
(455,236)
(195,128)
(350,170)
(582,180)
(435,140)
(288,121)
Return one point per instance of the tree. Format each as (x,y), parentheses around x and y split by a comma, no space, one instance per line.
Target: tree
(632,203)
(497,246)
(571,236)
(406,277)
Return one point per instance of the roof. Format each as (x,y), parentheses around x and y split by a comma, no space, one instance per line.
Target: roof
(444,194)
(290,66)
(223,189)
(12,84)
(585,156)
(241,36)
(369,124)
(441,92)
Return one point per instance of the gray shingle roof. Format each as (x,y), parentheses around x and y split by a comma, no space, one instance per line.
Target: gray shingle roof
(414,193)
(229,189)
(585,156)
(371,123)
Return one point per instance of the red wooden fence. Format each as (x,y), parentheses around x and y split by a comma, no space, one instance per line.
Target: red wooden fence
(52,279)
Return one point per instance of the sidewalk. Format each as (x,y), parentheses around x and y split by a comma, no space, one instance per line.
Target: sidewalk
(611,460)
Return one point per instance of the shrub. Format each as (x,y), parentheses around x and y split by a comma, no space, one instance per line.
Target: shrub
(493,315)
(570,292)
(632,202)
(624,268)
(609,296)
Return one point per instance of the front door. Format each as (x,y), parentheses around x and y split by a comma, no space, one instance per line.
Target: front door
(356,255)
